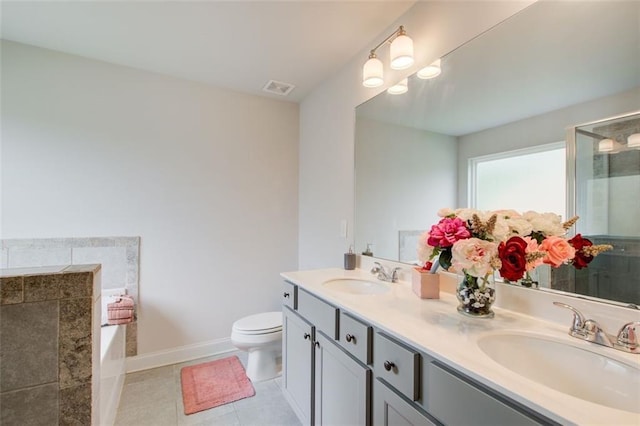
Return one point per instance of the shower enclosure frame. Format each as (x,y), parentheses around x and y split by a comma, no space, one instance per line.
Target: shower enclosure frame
(571,173)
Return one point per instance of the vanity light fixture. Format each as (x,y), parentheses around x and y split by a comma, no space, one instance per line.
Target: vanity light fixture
(399,88)
(430,71)
(609,145)
(633,141)
(605,145)
(401,57)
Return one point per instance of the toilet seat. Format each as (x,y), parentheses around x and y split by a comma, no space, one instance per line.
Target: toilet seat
(264,323)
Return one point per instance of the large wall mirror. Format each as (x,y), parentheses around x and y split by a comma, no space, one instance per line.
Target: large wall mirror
(521,85)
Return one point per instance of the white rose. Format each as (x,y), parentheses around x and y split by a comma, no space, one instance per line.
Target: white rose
(446,212)
(547,223)
(501,230)
(424,250)
(519,226)
(467,214)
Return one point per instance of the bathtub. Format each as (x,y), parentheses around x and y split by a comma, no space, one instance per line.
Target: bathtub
(112,365)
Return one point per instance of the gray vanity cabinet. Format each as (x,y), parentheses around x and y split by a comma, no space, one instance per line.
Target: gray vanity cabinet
(390,409)
(338,370)
(342,386)
(297,343)
(323,383)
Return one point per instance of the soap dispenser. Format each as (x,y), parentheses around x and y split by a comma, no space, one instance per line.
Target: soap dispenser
(350,260)
(368,251)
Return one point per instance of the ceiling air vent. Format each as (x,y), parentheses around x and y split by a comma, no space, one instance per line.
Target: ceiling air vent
(278,88)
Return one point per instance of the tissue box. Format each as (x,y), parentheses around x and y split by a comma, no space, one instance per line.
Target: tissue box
(425,284)
(120,311)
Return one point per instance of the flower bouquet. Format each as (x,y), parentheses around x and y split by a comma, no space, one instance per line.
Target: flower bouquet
(477,243)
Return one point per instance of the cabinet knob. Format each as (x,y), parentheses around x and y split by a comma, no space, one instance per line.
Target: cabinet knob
(388,365)
(286,295)
(350,338)
(307,336)
(317,344)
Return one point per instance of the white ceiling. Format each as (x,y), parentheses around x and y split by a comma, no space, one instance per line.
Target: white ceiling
(239,45)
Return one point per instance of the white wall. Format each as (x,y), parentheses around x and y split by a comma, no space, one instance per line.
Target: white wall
(206,177)
(327,120)
(404,167)
(539,130)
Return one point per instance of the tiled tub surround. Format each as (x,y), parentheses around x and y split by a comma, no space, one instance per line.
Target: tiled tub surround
(435,327)
(49,345)
(119,257)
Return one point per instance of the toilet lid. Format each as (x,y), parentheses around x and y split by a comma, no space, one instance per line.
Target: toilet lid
(262,323)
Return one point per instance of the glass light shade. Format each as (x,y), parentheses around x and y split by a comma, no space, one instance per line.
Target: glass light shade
(399,88)
(372,73)
(605,145)
(633,141)
(430,71)
(401,52)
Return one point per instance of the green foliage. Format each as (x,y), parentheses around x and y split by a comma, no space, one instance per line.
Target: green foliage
(445,258)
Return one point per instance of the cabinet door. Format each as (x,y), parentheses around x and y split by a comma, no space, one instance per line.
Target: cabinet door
(297,338)
(391,410)
(342,386)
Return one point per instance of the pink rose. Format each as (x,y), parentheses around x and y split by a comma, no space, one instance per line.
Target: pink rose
(446,232)
(558,251)
(474,256)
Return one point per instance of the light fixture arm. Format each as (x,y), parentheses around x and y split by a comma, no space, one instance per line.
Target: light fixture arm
(397,33)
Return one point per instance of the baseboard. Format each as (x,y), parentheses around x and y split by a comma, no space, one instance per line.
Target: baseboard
(179,354)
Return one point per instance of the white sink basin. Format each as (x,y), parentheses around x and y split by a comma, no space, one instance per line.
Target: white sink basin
(356,286)
(569,369)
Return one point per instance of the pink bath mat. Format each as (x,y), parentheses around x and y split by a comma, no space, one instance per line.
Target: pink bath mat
(214,383)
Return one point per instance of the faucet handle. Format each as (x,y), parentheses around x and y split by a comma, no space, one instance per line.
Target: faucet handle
(578,318)
(394,274)
(627,336)
(377,267)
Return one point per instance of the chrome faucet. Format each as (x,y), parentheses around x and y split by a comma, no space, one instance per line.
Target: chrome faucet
(627,339)
(383,274)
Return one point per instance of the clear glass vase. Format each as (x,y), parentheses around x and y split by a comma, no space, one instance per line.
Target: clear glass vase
(529,280)
(476,295)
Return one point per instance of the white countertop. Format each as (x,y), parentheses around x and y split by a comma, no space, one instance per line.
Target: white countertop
(435,327)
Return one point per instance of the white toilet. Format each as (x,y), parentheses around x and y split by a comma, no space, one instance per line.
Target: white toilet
(261,336)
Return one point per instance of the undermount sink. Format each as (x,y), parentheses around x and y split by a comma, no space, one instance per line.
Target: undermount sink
(356,286)
(569,369)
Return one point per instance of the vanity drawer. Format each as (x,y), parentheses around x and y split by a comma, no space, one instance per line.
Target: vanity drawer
(398,365)
(319,313)
(290,295)
(454,400)
(355,337)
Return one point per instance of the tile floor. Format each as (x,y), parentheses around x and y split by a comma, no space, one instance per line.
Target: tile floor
(154,397)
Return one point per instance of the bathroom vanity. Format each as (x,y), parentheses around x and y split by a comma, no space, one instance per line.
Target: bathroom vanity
(361,351)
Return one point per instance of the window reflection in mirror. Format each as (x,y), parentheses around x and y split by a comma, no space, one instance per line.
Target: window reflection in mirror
(528,179)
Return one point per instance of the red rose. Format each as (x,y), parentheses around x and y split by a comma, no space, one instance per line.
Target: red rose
(581,260)
(513,257)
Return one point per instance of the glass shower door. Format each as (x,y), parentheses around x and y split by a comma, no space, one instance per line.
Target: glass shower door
(606,197)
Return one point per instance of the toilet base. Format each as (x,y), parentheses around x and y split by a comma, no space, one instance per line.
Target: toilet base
(263,365)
